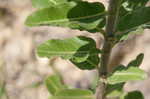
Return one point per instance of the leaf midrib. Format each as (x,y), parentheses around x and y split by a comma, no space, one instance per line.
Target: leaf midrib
(73,19)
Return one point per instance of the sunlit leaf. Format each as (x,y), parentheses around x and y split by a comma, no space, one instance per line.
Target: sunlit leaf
(54,84)
(49,3)
(124,74)
(75,15)
(80,50)
(73,94)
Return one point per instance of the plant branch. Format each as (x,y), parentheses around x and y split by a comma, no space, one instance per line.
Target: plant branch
(112,19)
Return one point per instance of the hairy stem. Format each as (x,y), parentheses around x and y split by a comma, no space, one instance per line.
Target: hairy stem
(112,19)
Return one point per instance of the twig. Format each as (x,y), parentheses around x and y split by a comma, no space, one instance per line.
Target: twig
(112,19)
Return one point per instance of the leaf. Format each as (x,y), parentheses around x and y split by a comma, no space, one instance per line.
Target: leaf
(131,5)
(138,61)
(134,19)
(114,91)
(127,6)
(73,94)
(54,84)
(91,61)
(80,50)
(124,74)
(47,3)
(125,36)
(67,48)
(134,95)
(75,15)
(2,90)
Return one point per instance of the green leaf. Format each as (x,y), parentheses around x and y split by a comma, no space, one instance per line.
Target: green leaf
(125,36)
(80,50)
(54,84)
(75,15)
(134,95)
(114,91)
(73,94)
(47,3)
(134,19)
(127,6)
(91,61)
(67,48)
(131,5)
(138,61)
(124,74)
(2,90)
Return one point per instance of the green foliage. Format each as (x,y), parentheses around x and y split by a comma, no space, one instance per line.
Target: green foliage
(60,91)
(131,5)
(124,74)
(2,91)
(133,18)
(47,3)
(134,95)
(80,50)
(54,84)
(115,90)
(138,61)
(130,15)
(73,94)
(76,15)
(125,36)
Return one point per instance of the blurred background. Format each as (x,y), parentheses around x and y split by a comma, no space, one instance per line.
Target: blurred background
(22,73)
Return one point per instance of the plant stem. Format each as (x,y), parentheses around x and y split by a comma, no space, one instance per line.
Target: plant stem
(112,19)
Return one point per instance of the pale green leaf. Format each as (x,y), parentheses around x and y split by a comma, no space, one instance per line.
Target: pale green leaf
(73,94)
(80,50)
(124,74)
(67,48)
(75,15)
(54,84)
(47,3)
